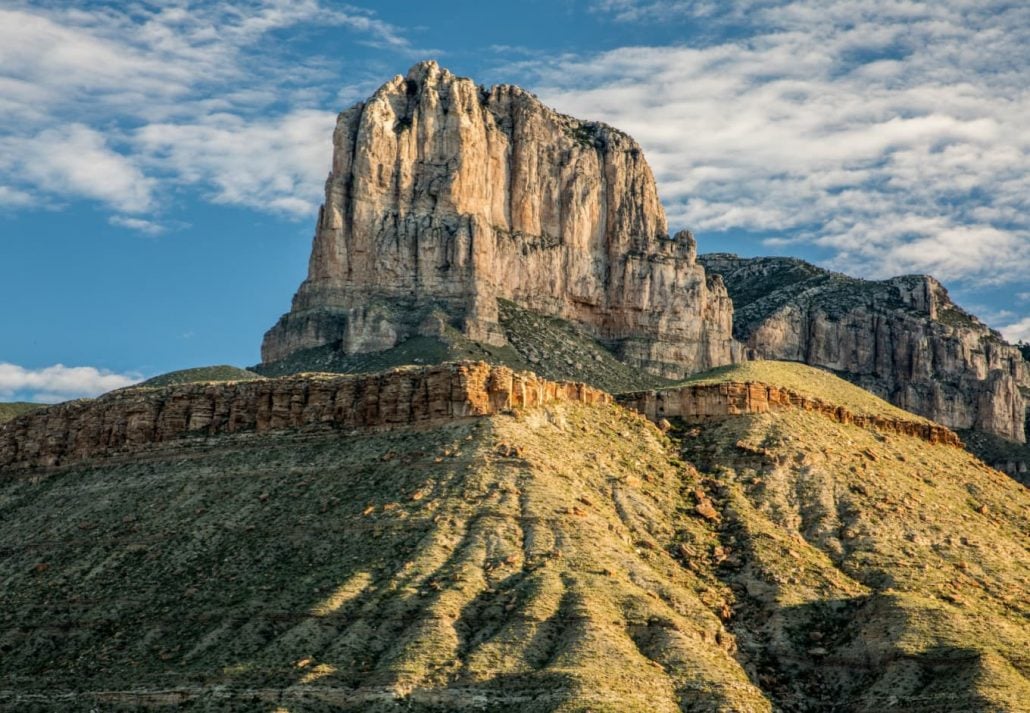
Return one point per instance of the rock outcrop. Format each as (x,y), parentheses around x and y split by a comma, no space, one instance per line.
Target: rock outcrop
(903,339)
(445,196)
(128,419)
(701,402)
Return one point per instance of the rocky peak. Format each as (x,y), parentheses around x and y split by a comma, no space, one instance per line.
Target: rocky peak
(904,339)
(445,196)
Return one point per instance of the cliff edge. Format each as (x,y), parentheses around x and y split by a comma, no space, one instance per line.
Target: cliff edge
(904,339)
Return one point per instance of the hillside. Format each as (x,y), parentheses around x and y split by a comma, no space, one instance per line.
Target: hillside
(222,372)
(803,379)
(14,409)
(870,568)
(549,346)
(561,557)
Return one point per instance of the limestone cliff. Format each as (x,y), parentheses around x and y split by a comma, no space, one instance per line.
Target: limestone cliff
(445,196)
(903,339)
(126,420)
(698,403)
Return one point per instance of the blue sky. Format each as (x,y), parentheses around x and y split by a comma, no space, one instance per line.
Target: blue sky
(161,163)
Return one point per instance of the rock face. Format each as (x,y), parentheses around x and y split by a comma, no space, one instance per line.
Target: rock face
(903,339)
(445,196)
(128,419)
(700,402)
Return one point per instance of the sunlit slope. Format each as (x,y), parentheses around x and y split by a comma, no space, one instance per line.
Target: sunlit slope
(808,381)
(560,558)
(531,562)
(871,572)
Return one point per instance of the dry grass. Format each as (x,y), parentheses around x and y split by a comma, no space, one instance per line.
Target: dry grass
(530,562)
(14,409)
(808,380)
(872,569)
(566,558)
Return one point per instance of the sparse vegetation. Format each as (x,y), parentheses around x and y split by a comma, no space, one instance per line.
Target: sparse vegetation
(551,347)
(1025,349)
(954,316)
(864,565)
(808,380)
(222,372)
(554,559)
(14,409)
(528,560)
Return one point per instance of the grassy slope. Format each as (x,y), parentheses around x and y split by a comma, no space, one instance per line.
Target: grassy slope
(16,408)
(222,372)
(414,570)
(550,560)
(808,380)
(870,571)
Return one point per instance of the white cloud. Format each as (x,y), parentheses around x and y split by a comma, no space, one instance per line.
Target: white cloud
(12,197)
(58,382)
(277,165)
(891,133)
(111,101)
(1017,331)
(147,227)
(77,161)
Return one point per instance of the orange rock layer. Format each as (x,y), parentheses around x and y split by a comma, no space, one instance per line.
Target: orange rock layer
(125,420)
(700,402)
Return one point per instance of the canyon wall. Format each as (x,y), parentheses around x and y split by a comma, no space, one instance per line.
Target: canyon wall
(445,196)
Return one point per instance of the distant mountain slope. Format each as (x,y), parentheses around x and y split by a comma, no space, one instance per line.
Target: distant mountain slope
(222,372)
(903,339)
(16,408)
(566,557)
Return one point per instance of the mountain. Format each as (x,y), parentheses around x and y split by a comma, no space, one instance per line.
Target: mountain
(453,520)
(903,339)
(466,537)
(445,197)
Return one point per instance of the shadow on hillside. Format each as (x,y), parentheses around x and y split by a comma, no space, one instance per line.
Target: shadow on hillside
(856,655)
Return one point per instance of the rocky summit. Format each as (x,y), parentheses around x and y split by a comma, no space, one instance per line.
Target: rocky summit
(445,196)
(903,339)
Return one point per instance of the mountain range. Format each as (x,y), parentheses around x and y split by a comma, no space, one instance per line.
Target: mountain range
(517,448)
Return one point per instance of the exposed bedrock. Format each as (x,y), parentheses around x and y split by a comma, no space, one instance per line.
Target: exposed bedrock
(444,196)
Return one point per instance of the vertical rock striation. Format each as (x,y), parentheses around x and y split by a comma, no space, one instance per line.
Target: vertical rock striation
(444,196)
(903,339)
(126,420)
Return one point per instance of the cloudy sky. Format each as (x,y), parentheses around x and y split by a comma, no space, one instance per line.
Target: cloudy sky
(161,163)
